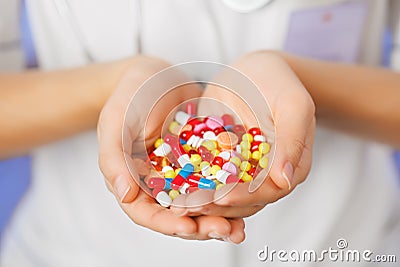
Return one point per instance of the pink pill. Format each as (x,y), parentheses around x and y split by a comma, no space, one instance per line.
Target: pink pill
(228,119)
(198,128)
(230,167)
(214,122)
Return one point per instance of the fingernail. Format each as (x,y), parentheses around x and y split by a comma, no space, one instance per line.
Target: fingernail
(121,188)
(184,234)
(287,173)
(215,235)
(227,239)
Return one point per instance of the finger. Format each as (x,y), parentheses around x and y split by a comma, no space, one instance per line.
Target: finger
(146,212)
(212,227)
(293,120)
(239,196)
(230,212)
(112,157)
(304,165)
(201,203)
(237,234)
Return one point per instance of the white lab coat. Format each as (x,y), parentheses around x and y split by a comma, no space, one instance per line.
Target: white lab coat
(68,218)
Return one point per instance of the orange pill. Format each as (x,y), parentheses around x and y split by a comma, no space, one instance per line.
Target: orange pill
(227,140)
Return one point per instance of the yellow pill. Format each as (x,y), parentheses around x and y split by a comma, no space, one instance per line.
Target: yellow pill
(215,152)
(219,186)
(165,162)
(245,145)
(245,166)
(209,144)
(214,169)
(158,142)
(173,126)
(241,174)
(173,194)
(246,177)
(236,161)
(264,148)
(186,147)
(177,171)
(246,154)
(263,162)
(247,137)
(217,182)
(169,174)
(197,168)
(256,155)
(204,164)
(195,159)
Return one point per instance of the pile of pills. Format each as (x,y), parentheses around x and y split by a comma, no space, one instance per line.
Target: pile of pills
(204,153)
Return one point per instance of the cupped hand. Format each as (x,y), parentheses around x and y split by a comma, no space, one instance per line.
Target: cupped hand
(117,146)
(292,113)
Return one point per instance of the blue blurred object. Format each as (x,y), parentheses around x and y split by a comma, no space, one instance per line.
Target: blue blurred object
(387,48)
(15,173)
(14,181)
(26,39)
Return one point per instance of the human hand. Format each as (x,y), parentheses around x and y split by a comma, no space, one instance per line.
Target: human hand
(120,169)
(293,115)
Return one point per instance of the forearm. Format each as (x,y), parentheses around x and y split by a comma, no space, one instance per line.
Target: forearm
(40,107)
(361,100)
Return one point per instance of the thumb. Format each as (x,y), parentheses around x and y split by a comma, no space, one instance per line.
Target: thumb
(113,161)
(292,126)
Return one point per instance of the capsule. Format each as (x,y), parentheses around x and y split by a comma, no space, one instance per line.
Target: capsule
(201,183)
(163,198)
(230,167)
(254,131)
(205,154)
(191,108)
(209,135)
(162,150)
(214,122)
(176,147)
(226,177)
(159,183)
(227,119)
(177,182)
(199,127)
(182,117)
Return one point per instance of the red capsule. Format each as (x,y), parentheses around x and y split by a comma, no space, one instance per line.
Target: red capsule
(205,154)
(254,146)
(202,131)
(156,191)
(177,182)
(194,121)
(176,147)
(198,128)
(156,182)
(254,131)
(191,108)
(219,130)
(218,161)
(191,189)
(239,130)
(228,119)
(232,179)
(185,135)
